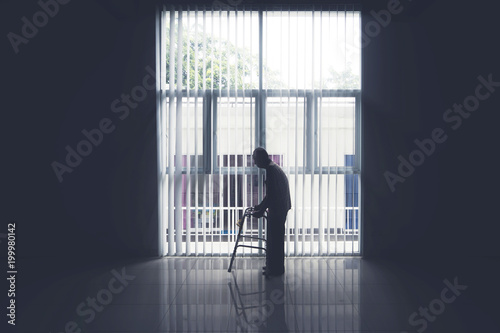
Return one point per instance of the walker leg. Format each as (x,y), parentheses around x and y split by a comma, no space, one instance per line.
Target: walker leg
(234,251)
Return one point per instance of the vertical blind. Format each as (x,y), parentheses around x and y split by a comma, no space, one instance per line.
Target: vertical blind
(231,80)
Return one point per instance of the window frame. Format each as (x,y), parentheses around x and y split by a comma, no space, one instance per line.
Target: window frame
(312,99)
(209,136)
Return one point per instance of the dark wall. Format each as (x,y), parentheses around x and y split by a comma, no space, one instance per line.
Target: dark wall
(424,61)
(66,77)
(61,82)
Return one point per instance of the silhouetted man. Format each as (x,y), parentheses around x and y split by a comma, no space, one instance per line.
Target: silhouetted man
(277,201)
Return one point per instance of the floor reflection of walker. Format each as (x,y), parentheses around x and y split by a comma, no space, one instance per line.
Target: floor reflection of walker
(260,310)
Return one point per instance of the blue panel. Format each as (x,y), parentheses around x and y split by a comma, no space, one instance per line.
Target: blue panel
(351,184)
(348,219)
(351,194)
(349,160)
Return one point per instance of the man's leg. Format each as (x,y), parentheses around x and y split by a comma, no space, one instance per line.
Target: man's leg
(276,244)
(280,253)
(269,243)
(268,246)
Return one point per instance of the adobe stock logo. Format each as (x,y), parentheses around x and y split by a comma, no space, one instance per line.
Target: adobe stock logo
(382,19)
(453,117)
(94,137)
(437,306)
(89,309)
(29,29)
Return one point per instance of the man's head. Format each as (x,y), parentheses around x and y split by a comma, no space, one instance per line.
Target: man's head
(261,158)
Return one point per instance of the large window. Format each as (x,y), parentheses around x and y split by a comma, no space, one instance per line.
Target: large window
(234,80)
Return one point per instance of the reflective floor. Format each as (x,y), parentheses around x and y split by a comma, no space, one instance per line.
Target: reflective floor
(314,295)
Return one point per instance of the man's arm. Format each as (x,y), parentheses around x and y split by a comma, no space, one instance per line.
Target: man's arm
(264,204)
(261,208)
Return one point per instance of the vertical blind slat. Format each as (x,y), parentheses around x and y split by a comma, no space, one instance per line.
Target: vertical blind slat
(171,242)
(313,128)
(196,184)
(320,141)
(178,143)
(290,220)
(188,152)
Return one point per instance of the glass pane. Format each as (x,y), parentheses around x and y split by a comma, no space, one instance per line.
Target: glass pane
(192,130)
(235,127)
(336,126)
(285,129)
(192,126)
(305,50)
(221,50)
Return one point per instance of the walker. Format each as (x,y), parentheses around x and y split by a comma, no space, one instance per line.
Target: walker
(248,212)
